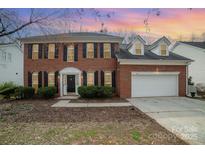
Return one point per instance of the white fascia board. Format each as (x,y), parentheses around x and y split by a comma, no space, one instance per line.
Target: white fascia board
(155,73)
(152,62)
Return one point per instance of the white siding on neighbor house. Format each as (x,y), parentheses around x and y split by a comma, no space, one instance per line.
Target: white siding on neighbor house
(11,69)
(197,68)
(132,50)
(157,50)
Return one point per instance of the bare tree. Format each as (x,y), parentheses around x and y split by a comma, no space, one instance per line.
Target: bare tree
(13,25)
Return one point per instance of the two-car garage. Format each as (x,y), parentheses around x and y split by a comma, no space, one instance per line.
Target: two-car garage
(150,84)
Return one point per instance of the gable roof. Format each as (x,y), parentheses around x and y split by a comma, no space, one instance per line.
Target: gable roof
(154,44)
(149,55)
(137,37)
(196,44)
(73,36)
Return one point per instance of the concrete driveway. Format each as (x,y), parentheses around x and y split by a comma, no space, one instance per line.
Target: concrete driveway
(183,116)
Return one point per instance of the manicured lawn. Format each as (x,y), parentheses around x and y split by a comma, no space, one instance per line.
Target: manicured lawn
(36,122)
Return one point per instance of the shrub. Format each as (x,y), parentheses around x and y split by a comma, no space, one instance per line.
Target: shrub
(47,92)
(19,92)
(7,92)
(6,85)
(28,92)
(95,91)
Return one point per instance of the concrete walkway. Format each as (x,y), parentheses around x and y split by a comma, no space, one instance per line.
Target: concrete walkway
(66,103)
(182,116)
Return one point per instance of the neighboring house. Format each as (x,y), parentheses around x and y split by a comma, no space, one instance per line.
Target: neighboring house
(74,59)
(11,64)
(196,52)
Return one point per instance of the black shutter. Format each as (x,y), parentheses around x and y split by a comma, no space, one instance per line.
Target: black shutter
(96,78)
(84,78)
(102,78)
(40,48)
(113,79)
(39,79)
(56,51)
(112,50)
(84,50)
(45,79)
(101,50)
(65,53)
(95,50)
(45,51)
(29,79)
(56,80)
(30,51)
(76,52)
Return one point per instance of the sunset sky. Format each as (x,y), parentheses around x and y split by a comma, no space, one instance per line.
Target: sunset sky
(170,22)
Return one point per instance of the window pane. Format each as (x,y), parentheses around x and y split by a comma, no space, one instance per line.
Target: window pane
(163,50)
(70,49)
(90,50)
(138,49)
(108,79)
(51,51)
(90,78)
(35,51)
(35,81)
(51,79)
(107,50)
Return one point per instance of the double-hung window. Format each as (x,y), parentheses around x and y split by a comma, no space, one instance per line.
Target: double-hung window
(108,78)
(35,51)
(51,51)
(90,50)
(70,49)
(35,80)
(138,49)
(51,79)
(90,78)
(107,50)
(163,49)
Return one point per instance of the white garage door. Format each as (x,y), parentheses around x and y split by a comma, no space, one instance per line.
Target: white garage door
(151,84)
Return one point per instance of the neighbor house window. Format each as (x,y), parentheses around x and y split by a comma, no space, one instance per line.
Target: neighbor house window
(108,78)
(35,51)
(51,51)
(90,78)
(163,49)
(90,50)
(51,79)
(70,49)
(35,80)
(138,49)
(3,56)
(107,50)
(9,57)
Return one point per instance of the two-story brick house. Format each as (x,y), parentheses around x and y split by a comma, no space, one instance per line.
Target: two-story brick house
(68,61)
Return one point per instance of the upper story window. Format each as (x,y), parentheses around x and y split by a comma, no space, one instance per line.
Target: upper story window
(107,50)
(138,49)
(70,49)
(90,50)
(108,78)
(163,50)
(35,51)
(3,56)
(9,57)
(90,78)
(51,51)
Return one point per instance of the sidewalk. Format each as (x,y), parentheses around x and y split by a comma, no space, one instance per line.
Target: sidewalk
(65,103)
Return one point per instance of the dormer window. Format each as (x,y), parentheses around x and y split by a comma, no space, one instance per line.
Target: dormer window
(163,50)
(138,49)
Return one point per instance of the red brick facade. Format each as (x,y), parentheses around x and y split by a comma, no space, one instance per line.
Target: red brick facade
(124,76)
(52,65)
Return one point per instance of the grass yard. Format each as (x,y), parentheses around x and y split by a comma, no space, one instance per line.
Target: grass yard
(36,122)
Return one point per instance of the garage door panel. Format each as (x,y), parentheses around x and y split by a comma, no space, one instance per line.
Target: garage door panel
(154,85)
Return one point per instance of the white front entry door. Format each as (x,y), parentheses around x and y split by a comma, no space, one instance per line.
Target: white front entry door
(149,85)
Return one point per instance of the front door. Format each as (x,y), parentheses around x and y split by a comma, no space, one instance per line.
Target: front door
(70,83)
